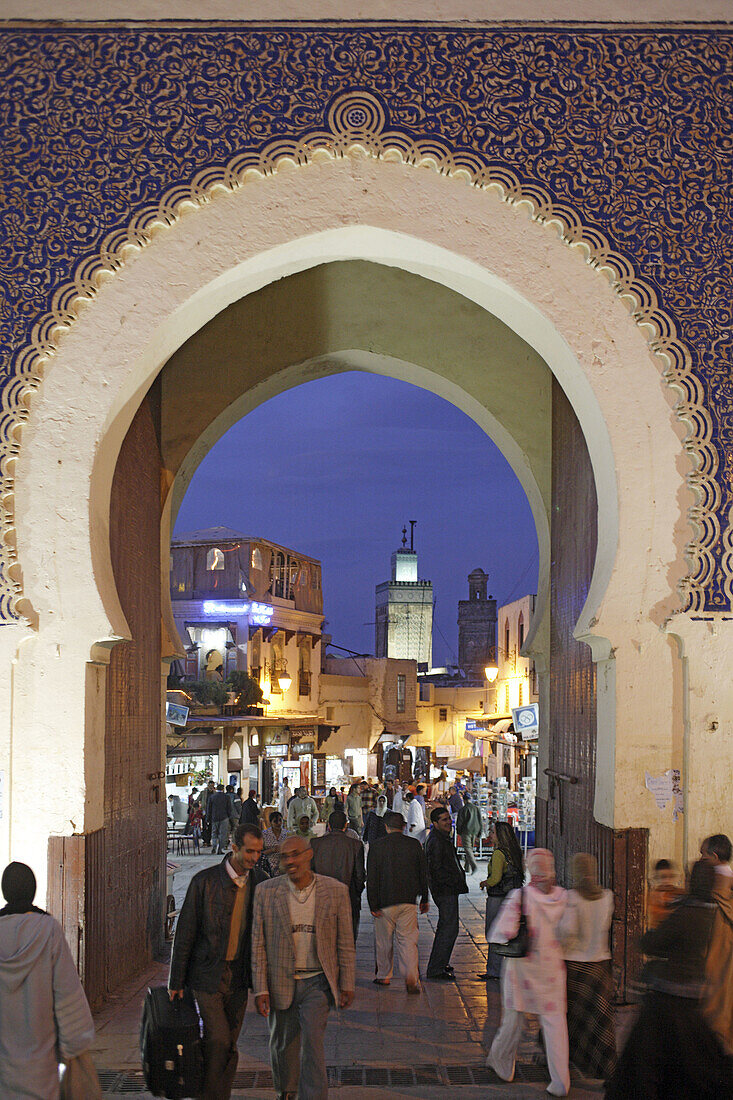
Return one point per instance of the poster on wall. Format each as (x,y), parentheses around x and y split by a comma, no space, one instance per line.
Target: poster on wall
(666,788)
(175,714)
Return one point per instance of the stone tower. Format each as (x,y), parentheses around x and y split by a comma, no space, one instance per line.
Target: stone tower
(476,627)
(404,611)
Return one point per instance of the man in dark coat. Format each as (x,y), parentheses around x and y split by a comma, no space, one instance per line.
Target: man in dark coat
(220,815)
(212,953)
(204,800)
(250,813)
(341,857)
(447,881)
(396,876)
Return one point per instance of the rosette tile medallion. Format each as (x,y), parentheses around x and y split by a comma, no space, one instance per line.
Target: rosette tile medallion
(620,139)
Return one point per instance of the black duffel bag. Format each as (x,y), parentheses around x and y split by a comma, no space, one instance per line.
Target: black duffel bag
(171,1045)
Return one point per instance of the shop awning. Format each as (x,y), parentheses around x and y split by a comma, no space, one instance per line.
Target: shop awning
(195,745)
(467,764)
(386,737)
(402,733)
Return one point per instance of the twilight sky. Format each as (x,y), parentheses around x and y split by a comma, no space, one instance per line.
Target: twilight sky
(334,468)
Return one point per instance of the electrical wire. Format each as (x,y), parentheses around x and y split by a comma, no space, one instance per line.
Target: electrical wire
(530,565)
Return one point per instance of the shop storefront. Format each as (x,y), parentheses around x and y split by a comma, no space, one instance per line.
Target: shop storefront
(282,753)
(502,771)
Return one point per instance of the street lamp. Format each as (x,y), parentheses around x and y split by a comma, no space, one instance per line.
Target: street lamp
(277,670)
(491,672)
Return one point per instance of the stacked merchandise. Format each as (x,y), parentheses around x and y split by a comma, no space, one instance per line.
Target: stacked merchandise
(527,796)
(499,798)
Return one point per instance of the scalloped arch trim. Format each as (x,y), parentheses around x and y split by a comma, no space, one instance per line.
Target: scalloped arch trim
(358,124)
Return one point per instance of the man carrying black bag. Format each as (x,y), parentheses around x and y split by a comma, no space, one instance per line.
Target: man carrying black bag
(211,954)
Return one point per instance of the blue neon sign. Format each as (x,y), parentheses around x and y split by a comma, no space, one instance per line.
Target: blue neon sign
(260,613)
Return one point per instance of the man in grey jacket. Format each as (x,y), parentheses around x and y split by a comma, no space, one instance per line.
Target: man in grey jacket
(303,963)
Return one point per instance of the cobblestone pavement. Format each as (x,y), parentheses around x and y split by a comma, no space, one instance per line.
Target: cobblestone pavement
(386,1044)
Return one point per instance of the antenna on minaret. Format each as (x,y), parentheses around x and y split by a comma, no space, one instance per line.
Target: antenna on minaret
(404,536)
(412,533)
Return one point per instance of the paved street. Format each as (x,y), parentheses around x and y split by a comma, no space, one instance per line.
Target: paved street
(387,1044)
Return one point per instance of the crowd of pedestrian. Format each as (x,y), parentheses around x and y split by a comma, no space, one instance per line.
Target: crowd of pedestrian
(279,915)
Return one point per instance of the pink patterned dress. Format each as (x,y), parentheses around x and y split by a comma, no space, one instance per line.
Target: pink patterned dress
(537,982)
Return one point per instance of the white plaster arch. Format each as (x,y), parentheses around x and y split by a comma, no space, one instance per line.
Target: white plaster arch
(146,311)
(393,213)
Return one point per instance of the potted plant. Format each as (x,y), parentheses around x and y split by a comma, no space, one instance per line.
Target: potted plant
(207,696)
(247,690)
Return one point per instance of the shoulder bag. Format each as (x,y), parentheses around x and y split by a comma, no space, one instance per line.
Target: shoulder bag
(518,946)
(80,1080)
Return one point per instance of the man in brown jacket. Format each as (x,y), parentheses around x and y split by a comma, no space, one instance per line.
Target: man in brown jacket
(718,1005)
(303,962)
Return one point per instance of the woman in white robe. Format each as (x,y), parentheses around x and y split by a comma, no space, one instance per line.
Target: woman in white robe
(44,1014)
(536,983)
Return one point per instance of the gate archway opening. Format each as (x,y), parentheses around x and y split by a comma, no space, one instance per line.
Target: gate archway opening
(318,322)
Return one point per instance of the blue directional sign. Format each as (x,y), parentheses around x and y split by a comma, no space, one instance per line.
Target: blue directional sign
(527,721)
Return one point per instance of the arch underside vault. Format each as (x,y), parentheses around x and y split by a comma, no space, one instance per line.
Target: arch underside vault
(357,315)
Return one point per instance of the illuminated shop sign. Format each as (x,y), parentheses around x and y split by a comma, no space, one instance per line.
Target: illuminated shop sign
(259,613)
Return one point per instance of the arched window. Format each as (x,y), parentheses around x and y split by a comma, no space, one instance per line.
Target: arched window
(506,639)
(256,558)
(294,575)
(520,630)
(214,559)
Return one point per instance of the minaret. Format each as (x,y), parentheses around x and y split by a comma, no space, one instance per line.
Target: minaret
(404,608)
(476,627)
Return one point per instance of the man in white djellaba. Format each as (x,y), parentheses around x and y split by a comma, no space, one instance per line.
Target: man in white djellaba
(415,818)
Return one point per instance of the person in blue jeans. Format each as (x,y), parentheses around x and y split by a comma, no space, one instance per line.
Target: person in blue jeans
(447,882)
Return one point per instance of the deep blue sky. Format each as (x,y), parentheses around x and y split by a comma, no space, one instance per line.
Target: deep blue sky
(335,467)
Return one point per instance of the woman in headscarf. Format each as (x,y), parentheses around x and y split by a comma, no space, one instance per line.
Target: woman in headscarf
(374,826)
(505,873)
(44,1014)
(672,1051)
(330,803)
(585,934)
(535,983)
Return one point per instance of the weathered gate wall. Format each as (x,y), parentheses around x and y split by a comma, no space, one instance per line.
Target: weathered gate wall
(107,887)
(134,796)
(565,821)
